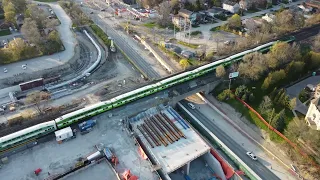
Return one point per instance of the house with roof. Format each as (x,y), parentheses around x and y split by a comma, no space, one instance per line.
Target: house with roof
(312,117)
(313,3)
(19,19)
(230,6)
(191,16)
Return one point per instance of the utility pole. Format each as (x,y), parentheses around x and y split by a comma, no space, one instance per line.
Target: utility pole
(174,31)
(190,30)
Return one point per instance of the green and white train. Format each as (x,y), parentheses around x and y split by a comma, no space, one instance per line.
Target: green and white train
(32,133)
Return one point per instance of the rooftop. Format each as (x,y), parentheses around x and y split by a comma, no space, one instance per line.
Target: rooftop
(178,153)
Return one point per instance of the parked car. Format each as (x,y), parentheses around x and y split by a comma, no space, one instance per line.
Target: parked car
(91,12)
(252,156)
(191,106)
(310,87)
(24,66)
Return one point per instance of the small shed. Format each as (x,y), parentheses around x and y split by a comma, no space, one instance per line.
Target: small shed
(63,134)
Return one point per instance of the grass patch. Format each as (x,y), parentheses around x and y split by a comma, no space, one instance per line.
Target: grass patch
(194,33)
(193,62)
(99,32)
(5,32)
(150,25)
(193,46)
(215,29)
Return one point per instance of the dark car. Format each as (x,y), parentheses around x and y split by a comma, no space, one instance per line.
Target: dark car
(103,9)
(91,12)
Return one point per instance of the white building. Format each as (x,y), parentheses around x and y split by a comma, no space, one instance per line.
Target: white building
(231,6)
(269,17)
(313,115)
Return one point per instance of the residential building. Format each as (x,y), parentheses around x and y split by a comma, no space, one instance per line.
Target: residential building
(188,54)
(269,17)
(180,22)
(191,16)
(305,8)
(313,3)
(313,114)
(231,6)
(19,19)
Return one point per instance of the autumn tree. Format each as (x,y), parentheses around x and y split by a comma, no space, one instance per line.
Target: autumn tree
(314,60)
(281,53)
(184,63)
(17,47)
(9,12)
(164,10)
(19,5)
(39,99)
(252,66)
(294,69)
(292,103)
(30,31)
(287,21)
(273,79)
(234,22)
(220,71)
(37,14)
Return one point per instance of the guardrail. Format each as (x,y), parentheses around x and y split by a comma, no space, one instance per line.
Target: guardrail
(214,139)
(86,72)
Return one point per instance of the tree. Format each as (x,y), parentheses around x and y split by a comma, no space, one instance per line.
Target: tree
(37,14)
(316,43)
(39,99)
(281,53)
(19,5)
(287,21)
(266,105)
(292,103)
(164,11)
(251,97)
(252,66)
(278,121)
(18,49)
(9,12)
(294,69)
(241,90)
(215,3)
(315,60)
(30,31)
(234,22)
(273,79)
(184,63)
(220,71)
(51,23)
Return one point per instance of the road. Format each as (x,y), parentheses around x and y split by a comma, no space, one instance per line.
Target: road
(256,166)
(123,43)
(46,62)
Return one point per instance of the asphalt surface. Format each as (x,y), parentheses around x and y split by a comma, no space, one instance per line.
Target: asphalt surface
(256,166)
(120,41)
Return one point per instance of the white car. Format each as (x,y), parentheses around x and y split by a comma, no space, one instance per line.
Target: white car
(5,70)
(252,156)
(191,106)
(24,66)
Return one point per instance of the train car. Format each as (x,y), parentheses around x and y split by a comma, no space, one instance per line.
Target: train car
(26,135)
(81,114)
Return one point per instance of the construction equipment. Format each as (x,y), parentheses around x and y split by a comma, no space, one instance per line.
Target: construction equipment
(128,176)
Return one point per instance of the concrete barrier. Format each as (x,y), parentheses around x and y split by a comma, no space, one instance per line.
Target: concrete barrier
(249,172)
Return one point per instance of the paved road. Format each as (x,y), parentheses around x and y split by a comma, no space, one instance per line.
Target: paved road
(124,45)
(206,27)
(46,62)
(256,166)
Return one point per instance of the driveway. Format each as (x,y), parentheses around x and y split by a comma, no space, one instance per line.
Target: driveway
(294,90)
(46,62)
(206,27)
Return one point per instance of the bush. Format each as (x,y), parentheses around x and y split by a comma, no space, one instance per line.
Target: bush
(241,90)
(224,95)
(99,32)
(304,96)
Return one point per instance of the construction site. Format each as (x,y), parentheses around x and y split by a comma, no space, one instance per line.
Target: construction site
(173,147)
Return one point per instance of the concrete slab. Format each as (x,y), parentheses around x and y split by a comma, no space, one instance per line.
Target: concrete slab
(178,153)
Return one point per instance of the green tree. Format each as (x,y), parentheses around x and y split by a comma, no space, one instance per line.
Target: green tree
(17,47)
(293,103)
(241,90)
(220,71)
(265,105)
(278,121)
(273,79)
(315,60)
(184,63)
(279,54)
(234,22)
(294,69)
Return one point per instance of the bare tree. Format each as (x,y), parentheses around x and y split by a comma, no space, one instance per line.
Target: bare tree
(253,66)
(220,71)
(30,31)
(164,11)
(265,105)
(282,53)
(52,23)
(39,99)
(37,14)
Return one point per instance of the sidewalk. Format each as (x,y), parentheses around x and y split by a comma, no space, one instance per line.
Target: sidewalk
(205,28)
